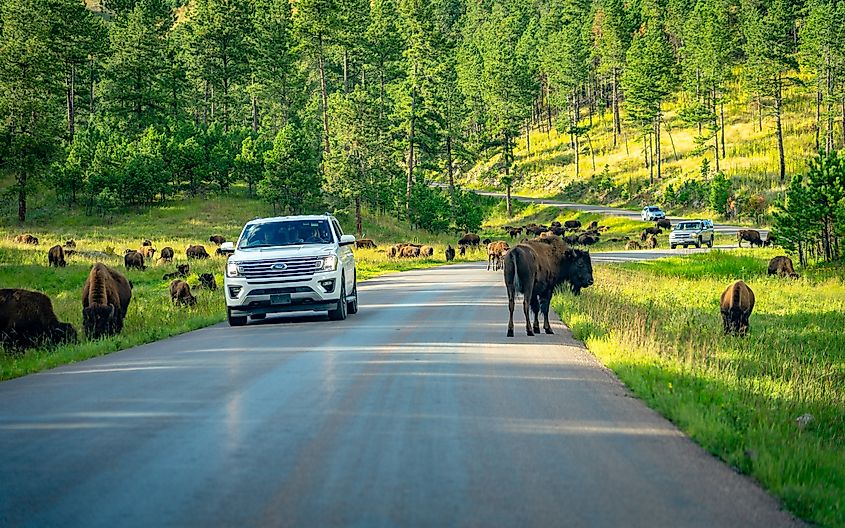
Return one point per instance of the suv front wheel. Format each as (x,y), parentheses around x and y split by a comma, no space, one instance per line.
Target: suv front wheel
(339,313)
(352,306)
(235,320)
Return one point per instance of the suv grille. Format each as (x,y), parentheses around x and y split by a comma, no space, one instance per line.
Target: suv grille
(293,268)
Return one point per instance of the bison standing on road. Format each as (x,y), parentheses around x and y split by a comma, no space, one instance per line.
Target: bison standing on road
(736,304)
(535,268)
(197,252)
(105,300)
(751,235)
(450,253)
(578,271)
(180,293)
(135,260)
(782,267)
(496,254)
(27,320)
(56,257)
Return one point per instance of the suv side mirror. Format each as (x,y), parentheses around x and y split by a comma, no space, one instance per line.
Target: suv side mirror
(227,247)
(345,240)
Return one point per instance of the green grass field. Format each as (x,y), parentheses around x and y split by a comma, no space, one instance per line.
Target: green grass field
(657,325)
(178,224)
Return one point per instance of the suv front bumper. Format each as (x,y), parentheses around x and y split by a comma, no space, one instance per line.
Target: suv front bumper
(318,293)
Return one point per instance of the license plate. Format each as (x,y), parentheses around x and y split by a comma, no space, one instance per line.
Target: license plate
(283,298)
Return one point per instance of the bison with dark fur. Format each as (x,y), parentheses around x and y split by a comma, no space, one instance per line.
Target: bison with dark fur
(105,300)
(26,239)
(27,320)
(450,253)
(207,282)
(751,235)
(182,270)
(572,224)
(134,260)
(216,240)
(56,257)
(180,293)
(664,223)
(167,254)
(736,304)
(365,243)
(197,252)
(535,268)
(782,267)
(469,239)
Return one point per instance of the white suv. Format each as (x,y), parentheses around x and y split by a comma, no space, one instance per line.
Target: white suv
(651,213)
(290,264)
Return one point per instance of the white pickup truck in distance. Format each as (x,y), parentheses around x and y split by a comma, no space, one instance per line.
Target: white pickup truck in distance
(290,264)
(692,233)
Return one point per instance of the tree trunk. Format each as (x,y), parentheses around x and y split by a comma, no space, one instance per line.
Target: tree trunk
(508,199)
(658,154)
(577,156)
(410,181)
(818,124)
(345,70)
(359,223)
(548,109)
(671,140)
(324,96)
(759,112)
(722,124)
(205,105)
(779,126)
(650,165)
(592,152)
(715,131)
(254,114)
(91,87)
(528,137)
(617,123)
(71,109)
(829,103)
(450,170)
(21,180)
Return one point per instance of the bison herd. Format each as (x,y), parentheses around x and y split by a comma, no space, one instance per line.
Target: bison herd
(27,318)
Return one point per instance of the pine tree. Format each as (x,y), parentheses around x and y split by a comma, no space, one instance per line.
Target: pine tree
(291,181)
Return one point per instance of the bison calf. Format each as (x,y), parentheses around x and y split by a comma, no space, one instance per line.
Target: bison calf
(56,257)
(736,304)
(27,320)
(180,293)
(633,244)
(450,253)
(182,270)
(207,282)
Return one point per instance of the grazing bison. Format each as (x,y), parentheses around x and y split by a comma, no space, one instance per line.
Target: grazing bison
(409,251)
(751,235)
(427,251)
(167,254)
(105,300)
(770,240)
(536,230)
(651,242)
(450,253)
(665,223)
(147,251)
(649,231)
(207,282)
(216,240)
(633,244)
(135,260)
(587,240)
(557,230)
(555,223)
(462,251)
(196,252)
(594,225)
(180,293)
(182,270)
(26,239)
(535,268)
(736,304)
(514,232)
(782,267)
(496,254)
(56,257)
(572,224)
(70,243)
(27,320)
(469,239)
(571,239)
(365,243)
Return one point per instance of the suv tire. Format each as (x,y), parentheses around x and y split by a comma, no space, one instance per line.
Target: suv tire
(235,320)
(698,243)
(710,244)
(339,313)
(673,246)
(352,306)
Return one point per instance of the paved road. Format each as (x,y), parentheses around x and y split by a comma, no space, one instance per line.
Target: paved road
(418,411)
(724,229)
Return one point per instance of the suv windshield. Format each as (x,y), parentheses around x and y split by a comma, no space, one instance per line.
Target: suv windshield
(652,208)
(689,226)
(286,233)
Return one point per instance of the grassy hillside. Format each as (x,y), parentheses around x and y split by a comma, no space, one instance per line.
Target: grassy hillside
(657,325)
(176,224)
(751,156)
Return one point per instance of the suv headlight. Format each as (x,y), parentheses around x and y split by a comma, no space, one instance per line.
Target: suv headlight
(328,263)
(233,269)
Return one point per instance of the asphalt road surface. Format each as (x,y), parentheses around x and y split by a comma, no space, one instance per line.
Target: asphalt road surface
(724,229)
(418,411)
